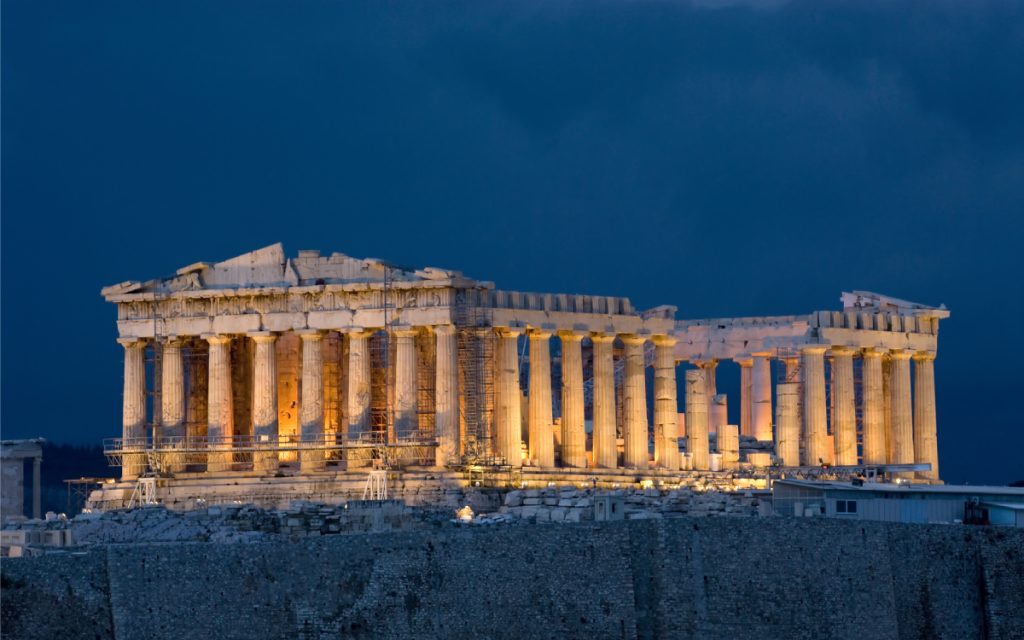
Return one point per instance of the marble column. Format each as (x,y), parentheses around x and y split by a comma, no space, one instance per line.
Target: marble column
(133,410)
(666,420)
(710,368)
(890,454)
(635,449)
(606,455)
(761,397)
(815,426)
(574,435)
(926,447)
(508,417)
(541,436)
(219,411)
(172,396)
(787,423)
(697,420)
(872,416)
(746,388)
(37,487)
(902,412)
(446,394)
(311,404)
(359,384)
(844,412)
(264,400)
(405,381)
(198,391)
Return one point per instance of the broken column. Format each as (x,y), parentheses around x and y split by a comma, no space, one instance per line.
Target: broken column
(508,411)
(574,436)
(872,417)
(635,450)
(719,412)
(446,395)
(844,408)
(787,423)
(264,401)
(816,440)
(133,413)
(697,420)
(761,397)
(746,421)
(728,442)
(925,441)
(666,426)
(541,437)
(606,454)
(311,406)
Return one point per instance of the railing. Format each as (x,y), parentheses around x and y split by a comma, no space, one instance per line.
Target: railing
(259,443)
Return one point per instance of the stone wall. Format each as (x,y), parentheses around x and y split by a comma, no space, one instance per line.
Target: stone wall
(674,578)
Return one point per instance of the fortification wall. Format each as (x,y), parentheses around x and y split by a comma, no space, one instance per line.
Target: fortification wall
(679,578)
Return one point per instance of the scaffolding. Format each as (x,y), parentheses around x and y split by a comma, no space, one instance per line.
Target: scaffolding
(475,340)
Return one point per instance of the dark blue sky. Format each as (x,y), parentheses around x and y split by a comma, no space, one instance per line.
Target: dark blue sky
(729,160)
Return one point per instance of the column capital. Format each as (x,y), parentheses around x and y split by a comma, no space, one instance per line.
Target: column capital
(538,333)
(703,363)
(215,338)
(744,361)
(310,334)
(871,352)
(509,332)
(570,335)
(664,341)
(262,336)
(444,329)
(842,350)
(404,332)
(900,354)
(813,349)
(131,343)
(358,332)
(633,339)
(603,338)
(921,356)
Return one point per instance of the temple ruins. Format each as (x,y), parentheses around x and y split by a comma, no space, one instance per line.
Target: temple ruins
(321,367)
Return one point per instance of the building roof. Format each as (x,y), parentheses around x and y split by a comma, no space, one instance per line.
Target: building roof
(934,489)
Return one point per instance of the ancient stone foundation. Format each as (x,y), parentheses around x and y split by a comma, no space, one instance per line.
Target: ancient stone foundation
(681,578)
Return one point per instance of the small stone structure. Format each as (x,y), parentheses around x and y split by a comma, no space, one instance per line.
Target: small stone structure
(265,364)
(13,454)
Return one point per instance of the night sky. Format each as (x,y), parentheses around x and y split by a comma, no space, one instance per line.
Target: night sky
(726,158)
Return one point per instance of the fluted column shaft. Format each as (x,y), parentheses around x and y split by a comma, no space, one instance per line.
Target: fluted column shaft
(710,368)
(761,398)
(872,416)
(311,404)
(509,419)
(926,446)
(172,396)
(405,381)
(446,394)
(844,413)
(574,435)
(133,407)
(634,400)
(666,420)
(219,411)
(902,411)
(542,443)
(358,384)
(787,423)
(816,440)
(606,455)
(697,420)
(264,399)
(746,389)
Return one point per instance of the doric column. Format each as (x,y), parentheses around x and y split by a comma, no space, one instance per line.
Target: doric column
(890,454)
(746,382)
(358,384)
(787,423)
(219,413)
(37,487)
(574,435)
(133,413)
(508,437)
(542,443)
(666,420)
(710,368)
(311,404)
(446,394)
(816,440)
(172,396)
(872,416)
(634,399)
(198,389)
(902,412)
(405,381)
(697,420)
(606,455)
(844,412)
(761,397)
(264,400)
(926,446)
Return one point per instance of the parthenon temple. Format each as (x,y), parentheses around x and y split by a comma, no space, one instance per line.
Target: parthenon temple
(264,364)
